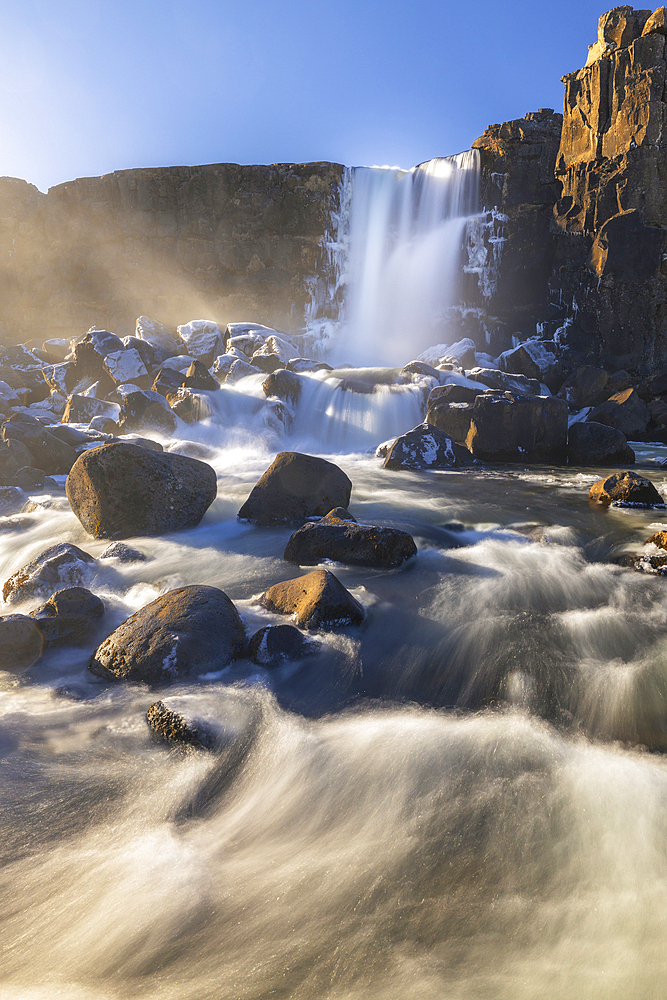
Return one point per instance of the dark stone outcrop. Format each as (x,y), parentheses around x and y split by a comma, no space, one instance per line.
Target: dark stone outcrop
(626,488)
(296,487)
(48,453)
(146,411)
(513,428)
(193,630)
(317,600)
(68,617)
(274,645)
(584,387)
(589,443)
(120,490)
(174,728)
(123,553)
(347,542)
(625,411)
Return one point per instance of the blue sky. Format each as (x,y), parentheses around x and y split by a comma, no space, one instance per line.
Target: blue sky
(101,85)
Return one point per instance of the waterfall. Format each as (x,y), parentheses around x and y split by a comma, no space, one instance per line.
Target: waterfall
(402,259)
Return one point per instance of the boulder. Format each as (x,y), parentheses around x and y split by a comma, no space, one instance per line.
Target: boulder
(238,370)
(347,542)
(583,387)
(13,456)
(536,360)
(61,565)
(426,447)
(246,343)
(146,410)
(189,406)
(493,378)
(155,333)
(597,444)
(659,539)
(199,377)
(123,553)
(28,478)
(61,377)
(420,368)
(125,366)
(461,353)
(81,409)
(300,365)
(625,411)
(149,354)
(68,617)
(317,600)
(514,428)
(174,728)
(11,499)
(284,384)
(47,451)
(90,352)
(21,643)
(202,340)
(626,488)
(453,419)
(278,343)
(453,393)
(268,363)
(273,645)
(223,364)
(296,487)
(192,630)
(167,380)
(120,490)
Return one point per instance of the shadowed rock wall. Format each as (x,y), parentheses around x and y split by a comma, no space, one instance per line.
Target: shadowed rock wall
(221,241)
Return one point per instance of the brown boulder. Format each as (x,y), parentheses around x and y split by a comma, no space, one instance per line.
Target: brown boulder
(68,617)
(192,630)
(296,487)
(347,542)
(625,411)
(583,386)
(513,428)
(659,539)
(597,444)
(626,488)
(21,643)
(120,490)
(452,419)
(317,600)
(59,566)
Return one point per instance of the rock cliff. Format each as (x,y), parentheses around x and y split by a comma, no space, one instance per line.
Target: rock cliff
(221,240)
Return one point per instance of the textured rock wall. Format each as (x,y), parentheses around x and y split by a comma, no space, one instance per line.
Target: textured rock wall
(223,241)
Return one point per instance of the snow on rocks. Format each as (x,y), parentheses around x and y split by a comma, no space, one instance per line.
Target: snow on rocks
(202,339)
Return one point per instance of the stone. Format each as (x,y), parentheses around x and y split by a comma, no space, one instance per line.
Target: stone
(103,425)
(68,617)
(296,487)
(589,443)
(535,360)
(238,370)
(125,366)
(426,447)
(13,456)
(146,411)
(48,452)
(274,645)
(625,411)
(316,601)
(517,428)
(192,630)
(345,541)
(453,393)
(658,410)
(155,333)
(453,419)
(150,355)
(222,365)
(198,377)
(61,565)
(267,363)
(21,643)
(189,406)
(659,539)
(174,728)
(246,343)
(284,385)
(657,23)
(60,377)
(90,352)
(461,353)
(300,365)
(82,409)
(420,368)
(202,340)
(277,343)
(583,387)
(626,488)
(12,499)
(123,553)
(120,490)
(168,380)
(493,378)
(28,478)
(57,348)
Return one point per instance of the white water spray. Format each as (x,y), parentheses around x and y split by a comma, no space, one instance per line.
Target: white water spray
(402,269)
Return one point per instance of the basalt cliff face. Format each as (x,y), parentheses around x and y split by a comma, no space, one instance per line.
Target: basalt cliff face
(223,240)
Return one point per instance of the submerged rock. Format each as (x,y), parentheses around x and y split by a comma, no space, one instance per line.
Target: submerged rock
(317,600)
(120,490)
(275,644)
(626,488)
(68,617)
(21,642)
(295,487)
(284,384)
(192,630)
(426,447)
(123,553)
(589,443)
(171,726)
(351,543)
(61,565)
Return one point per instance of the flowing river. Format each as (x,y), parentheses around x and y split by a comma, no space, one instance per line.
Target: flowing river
(453,800)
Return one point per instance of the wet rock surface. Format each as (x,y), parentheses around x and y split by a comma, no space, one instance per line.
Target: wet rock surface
(68,617)
(295,487)
(174,728)
(274,645)
(589,443)
(21,643)
(191,630)
(626,488)
(121,490)
(61,565)
(348,542)
(426,447)
(317,600)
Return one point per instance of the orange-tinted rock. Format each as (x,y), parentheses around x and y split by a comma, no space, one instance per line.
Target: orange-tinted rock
(626,488)
(317,600)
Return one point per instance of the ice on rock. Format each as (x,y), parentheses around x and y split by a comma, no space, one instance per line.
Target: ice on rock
(123,366)
(202,338)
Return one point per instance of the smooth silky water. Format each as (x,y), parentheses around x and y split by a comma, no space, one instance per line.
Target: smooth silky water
(450,802)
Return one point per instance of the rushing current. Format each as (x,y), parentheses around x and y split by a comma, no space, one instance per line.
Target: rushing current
(453,800)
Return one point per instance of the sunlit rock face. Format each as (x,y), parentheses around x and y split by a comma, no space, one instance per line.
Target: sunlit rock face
(221,240)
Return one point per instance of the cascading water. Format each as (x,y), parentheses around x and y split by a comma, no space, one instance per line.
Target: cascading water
(402,261)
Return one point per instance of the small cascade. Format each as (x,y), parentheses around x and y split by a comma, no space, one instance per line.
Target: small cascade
(403,256)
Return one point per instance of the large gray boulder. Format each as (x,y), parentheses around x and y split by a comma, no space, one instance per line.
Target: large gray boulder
(120,490)
(192,630)
(296,487)
(348,542)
